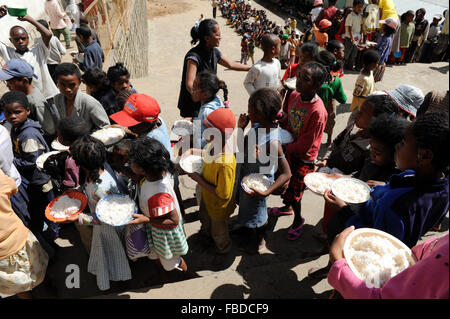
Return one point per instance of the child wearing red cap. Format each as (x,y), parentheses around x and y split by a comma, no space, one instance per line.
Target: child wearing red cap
(141,115)
(217,181)
(320,32)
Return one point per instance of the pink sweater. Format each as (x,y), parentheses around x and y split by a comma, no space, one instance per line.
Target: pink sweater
(427,279)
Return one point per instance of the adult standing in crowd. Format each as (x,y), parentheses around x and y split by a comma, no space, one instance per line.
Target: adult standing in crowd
(204,56)
(214,4)
(57,23)
(387,10)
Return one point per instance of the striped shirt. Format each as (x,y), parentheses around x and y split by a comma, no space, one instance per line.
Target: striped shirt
(157,199)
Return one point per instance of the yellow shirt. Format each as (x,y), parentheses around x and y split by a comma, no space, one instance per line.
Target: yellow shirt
(364,86)
(219,171)
(389,10)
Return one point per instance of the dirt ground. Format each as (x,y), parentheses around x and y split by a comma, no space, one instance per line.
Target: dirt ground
(162,8)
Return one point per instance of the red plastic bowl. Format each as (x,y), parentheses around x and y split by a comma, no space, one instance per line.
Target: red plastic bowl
(77,195)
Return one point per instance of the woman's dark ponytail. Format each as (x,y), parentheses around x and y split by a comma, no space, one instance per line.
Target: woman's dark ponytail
(204,29)
(223,86)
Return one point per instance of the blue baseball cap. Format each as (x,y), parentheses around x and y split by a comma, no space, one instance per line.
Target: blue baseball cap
(16,68)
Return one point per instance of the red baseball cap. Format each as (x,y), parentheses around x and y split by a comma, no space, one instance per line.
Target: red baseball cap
(221,119)
(325,23)
(137,109)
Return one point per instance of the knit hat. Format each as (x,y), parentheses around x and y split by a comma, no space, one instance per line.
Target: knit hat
(324,23)
(137,109)
(16,68)
(222,119)
(408,98)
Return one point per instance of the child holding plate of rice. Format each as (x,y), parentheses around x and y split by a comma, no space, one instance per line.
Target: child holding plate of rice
(107,259)
(413,201)
(264,137)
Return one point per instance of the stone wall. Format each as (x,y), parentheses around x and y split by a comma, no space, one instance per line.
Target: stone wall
(131,42)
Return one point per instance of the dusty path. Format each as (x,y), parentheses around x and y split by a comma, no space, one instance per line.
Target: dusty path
(281,272)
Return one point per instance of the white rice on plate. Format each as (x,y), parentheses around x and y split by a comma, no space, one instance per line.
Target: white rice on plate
(65,207)
(109,135)
(183,127)
(318,182)
(256,181)
(116,210)
(377,259)
(192,163)
(291,83)
(43,158)
(56,145)
(351,190)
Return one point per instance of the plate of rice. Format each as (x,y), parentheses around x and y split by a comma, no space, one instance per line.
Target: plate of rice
(56,145)
(285,137)
(67,205)
(183,127)
(351,190)
(319,183)
(109,135)
(291,83)
(256,181)
(375,256)
(43,158)
(116,209)
(191,163)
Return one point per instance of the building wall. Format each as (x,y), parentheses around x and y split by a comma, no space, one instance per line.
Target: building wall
(131,42)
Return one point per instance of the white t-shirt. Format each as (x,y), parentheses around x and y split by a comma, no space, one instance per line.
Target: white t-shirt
(354,21)
(315,13)
(7,156)
(158,198)
(56,50)
(37,57)
(263,75)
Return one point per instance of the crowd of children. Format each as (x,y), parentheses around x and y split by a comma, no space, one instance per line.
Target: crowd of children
(358,26)
(393,142)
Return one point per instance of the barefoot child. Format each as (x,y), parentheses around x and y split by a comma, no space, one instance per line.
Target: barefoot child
(159,204)
(306,120)
(264,139)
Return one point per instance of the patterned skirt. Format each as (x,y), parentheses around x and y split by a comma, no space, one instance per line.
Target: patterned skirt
(168,243)
(23,270)
(108,259)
